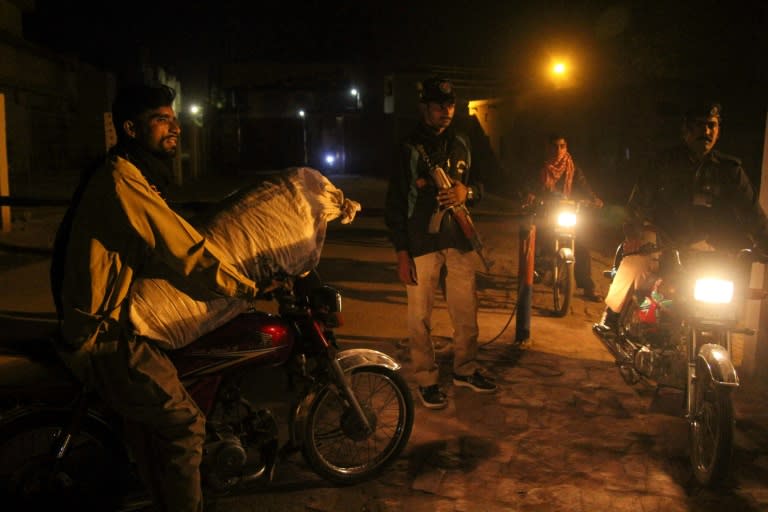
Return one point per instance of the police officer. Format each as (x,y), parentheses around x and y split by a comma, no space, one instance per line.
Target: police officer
(426,240)
(695,196)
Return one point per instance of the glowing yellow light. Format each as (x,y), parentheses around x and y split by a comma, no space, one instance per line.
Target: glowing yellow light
(558,68)
(713,291)
(566,219)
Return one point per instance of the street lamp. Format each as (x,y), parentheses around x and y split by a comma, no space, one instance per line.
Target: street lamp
(303,116)
(355,93)
(559,72)
(196,114)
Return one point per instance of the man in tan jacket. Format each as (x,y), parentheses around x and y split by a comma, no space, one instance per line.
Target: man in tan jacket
(118,227)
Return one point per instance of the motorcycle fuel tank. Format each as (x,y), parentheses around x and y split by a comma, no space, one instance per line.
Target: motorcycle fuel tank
(252,337)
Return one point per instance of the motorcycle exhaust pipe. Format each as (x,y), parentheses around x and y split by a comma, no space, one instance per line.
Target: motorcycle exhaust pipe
(267,468)
(617,346)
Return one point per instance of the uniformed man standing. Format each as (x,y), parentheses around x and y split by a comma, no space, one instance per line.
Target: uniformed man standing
(426,239)
(693,195)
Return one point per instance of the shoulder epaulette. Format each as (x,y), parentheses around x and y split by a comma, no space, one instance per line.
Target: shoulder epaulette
(723,157)
(463,139)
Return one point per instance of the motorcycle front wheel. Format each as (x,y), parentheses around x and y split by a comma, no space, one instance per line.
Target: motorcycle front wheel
(337,445)
(711,430)
(562,286)
(31,478)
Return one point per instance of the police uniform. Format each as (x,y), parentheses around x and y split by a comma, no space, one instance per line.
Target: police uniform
(707,200)
(410,204)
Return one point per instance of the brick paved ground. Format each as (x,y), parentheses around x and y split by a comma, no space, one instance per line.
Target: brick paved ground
(564,433)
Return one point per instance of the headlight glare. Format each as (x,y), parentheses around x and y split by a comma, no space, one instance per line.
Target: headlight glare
(713,291)
(566,219)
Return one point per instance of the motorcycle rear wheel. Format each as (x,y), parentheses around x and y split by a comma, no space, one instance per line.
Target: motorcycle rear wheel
(711,431)
(562,286)
(338,448)
(88,478)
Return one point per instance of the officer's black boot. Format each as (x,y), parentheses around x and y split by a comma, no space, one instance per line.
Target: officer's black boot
(608,324)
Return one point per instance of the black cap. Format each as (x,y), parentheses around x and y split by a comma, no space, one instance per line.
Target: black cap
(437,90)
(703,111)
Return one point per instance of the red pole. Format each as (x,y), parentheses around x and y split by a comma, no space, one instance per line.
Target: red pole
(525,275)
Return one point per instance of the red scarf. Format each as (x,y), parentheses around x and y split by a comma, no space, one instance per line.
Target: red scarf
(554,169)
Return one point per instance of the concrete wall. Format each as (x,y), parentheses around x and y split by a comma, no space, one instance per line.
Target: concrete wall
(54,105)
(10,15)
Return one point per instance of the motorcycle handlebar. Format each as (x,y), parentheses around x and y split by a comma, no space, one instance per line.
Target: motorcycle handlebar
(754,255)
(531,206)
(646,248)
(277,285)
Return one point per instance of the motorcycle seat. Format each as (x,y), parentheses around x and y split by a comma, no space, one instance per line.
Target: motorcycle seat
(28,358)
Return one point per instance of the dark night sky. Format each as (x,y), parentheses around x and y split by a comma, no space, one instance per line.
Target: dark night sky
(712,48)
(715,37)
(716,48)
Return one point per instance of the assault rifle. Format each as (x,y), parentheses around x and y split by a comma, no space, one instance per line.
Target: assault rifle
(460,214)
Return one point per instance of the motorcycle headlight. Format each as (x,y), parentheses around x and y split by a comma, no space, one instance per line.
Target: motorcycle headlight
(713,291)
(326,299)
(326,303)
(566,219)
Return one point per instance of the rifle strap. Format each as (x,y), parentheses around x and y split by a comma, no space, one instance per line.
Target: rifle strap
(424,156)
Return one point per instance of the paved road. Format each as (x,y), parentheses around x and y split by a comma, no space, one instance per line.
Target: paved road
(564,433)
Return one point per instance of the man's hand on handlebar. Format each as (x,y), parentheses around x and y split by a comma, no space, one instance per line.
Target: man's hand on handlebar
(529,200)
(638,245)
(278,282)
(631,245)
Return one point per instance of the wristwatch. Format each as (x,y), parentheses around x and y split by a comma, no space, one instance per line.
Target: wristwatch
(470,193)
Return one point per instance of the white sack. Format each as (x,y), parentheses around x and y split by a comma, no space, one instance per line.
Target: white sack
(276,226)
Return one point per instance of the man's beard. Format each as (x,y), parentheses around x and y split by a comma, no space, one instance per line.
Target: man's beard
(703,145)
(165,154)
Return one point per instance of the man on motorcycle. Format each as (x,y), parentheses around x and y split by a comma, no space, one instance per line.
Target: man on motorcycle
(118,227)
(561,176)
(692,194)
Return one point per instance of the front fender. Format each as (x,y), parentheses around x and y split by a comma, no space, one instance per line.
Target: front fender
(565,254)
(718,362)
(349,360)
(356,357)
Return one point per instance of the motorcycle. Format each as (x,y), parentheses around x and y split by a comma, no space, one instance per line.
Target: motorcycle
(677,333)
(558,247)
(351,415)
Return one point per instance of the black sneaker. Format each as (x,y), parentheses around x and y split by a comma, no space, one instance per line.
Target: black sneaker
(476,382)
(432,397)
(591,296)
